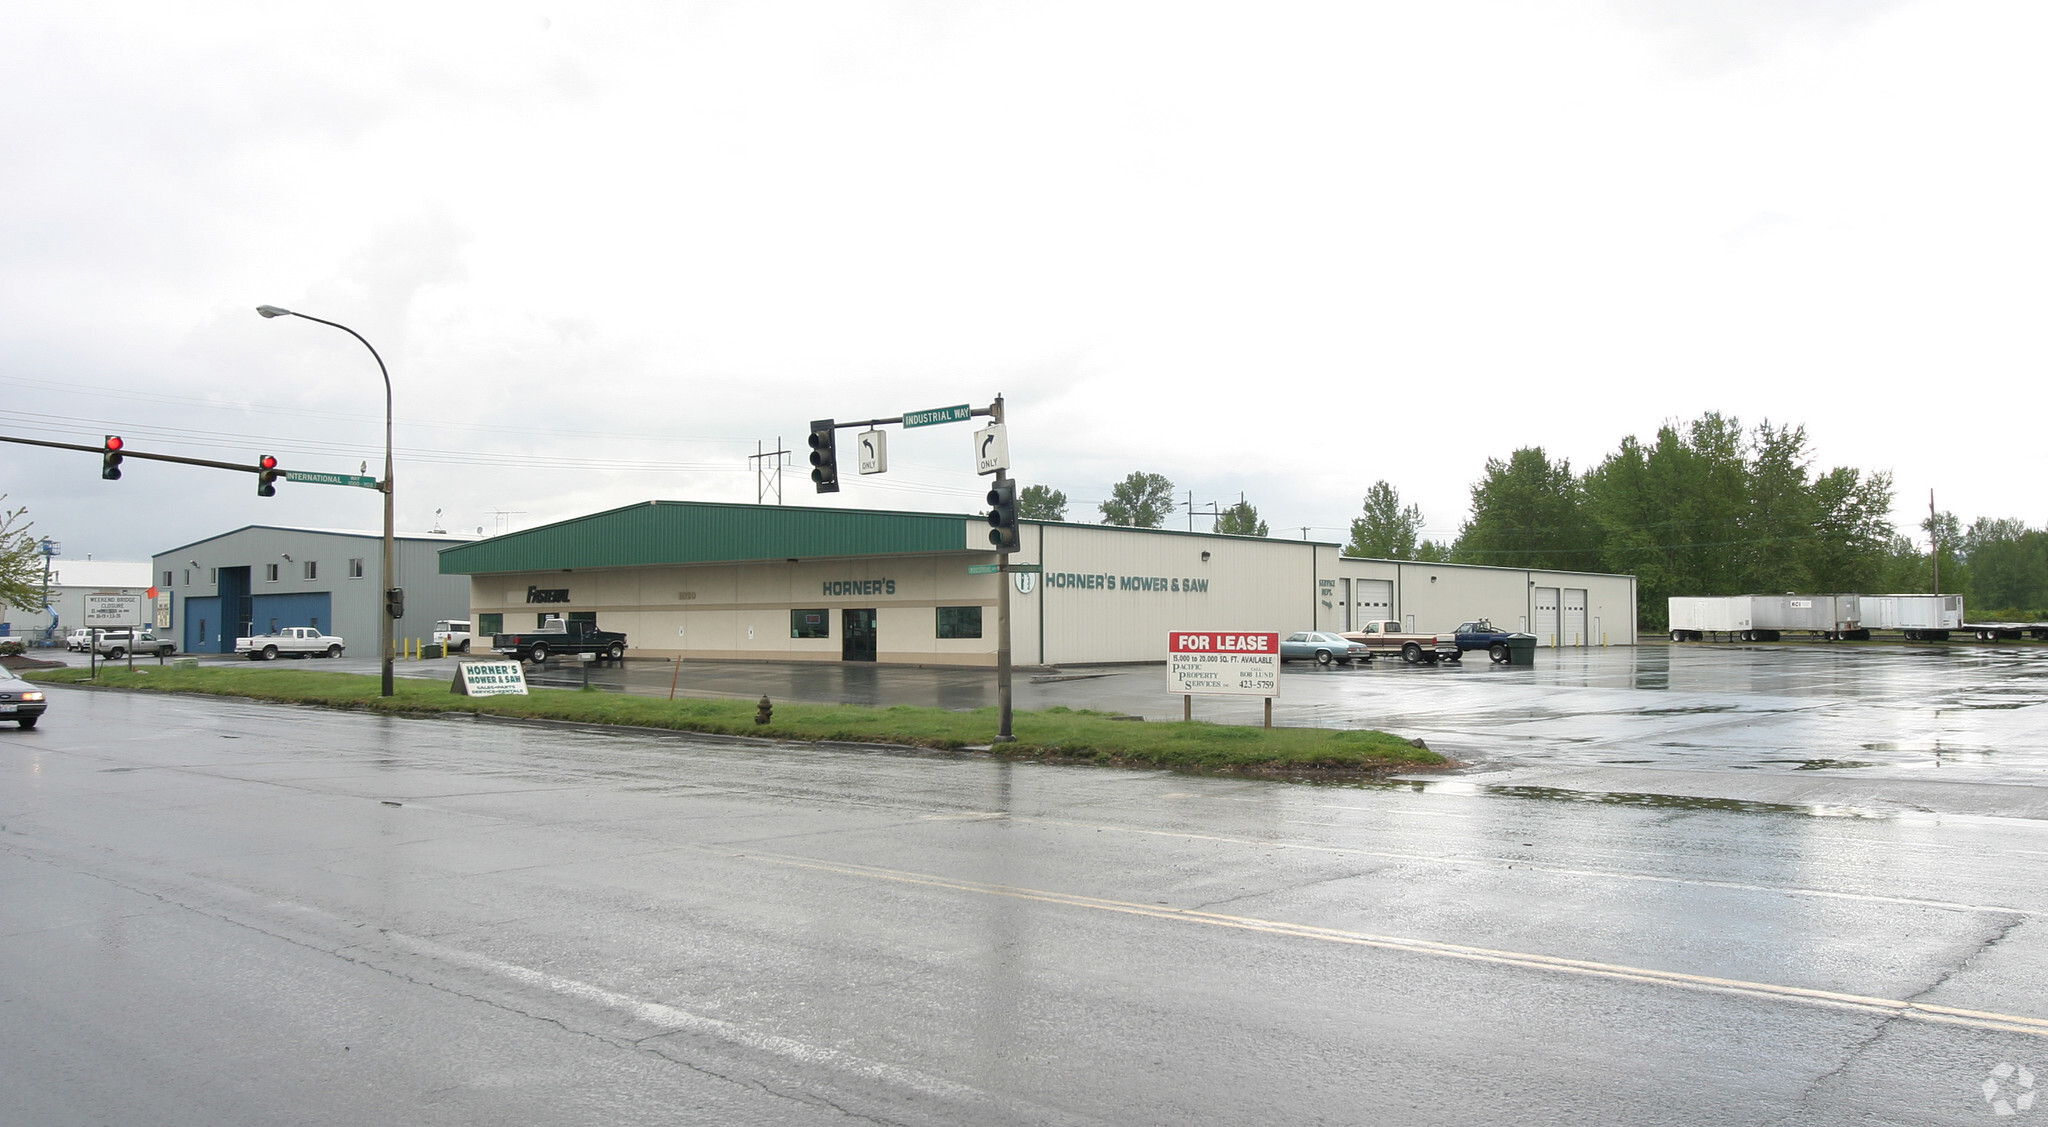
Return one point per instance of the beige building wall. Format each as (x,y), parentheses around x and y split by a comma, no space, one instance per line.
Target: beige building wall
(1104,595)
(743,611)
(1437,597)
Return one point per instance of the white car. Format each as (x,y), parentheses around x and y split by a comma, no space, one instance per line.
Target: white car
(78,640)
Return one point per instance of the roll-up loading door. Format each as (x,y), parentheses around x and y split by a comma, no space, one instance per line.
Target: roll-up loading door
(1546,616)
(1373,599)
(1574,630)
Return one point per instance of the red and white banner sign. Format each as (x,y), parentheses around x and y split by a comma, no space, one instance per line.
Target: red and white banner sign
(1245,663)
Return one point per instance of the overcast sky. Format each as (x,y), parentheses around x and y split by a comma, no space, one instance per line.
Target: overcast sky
(1283,250)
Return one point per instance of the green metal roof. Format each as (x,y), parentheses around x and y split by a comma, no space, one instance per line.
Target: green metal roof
(669,532)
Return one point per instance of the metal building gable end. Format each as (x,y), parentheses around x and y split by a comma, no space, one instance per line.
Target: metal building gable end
(669,532)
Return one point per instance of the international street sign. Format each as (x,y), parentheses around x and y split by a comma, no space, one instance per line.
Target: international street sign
(937,415)
(991,569)
(308,477)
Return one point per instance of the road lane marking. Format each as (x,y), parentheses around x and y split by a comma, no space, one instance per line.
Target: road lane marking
(1830,999)
(1515,862)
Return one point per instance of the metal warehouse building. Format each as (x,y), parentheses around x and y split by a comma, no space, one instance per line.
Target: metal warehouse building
(763,582)
(259,578)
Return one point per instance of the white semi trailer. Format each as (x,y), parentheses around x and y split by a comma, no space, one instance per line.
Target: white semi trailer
(1923,618)
(1765,618)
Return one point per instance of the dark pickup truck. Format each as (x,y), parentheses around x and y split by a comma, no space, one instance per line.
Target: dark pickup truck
(556,636)
(1480,635)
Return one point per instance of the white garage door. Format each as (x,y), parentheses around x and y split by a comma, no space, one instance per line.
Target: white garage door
(1546,616)
(1374,600)
(1574,632)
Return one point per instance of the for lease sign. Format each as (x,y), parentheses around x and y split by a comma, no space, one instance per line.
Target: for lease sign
(1223,661)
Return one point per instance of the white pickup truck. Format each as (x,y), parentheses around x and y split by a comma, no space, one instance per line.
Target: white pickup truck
(292,641)
(452,634)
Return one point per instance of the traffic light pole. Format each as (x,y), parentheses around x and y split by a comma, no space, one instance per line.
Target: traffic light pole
(1005,698)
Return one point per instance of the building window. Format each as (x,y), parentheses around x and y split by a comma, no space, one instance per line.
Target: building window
(355,568)
(810,624)
(212,576)
(959,622)
(589,616)
(270,572)
(312,569)
(490,624)
(188,577)
(315,624)
(167,579)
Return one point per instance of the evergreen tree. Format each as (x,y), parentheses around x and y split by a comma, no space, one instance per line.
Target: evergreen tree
(1387,530)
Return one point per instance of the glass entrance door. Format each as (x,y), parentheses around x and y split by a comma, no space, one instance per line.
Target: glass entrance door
(857,640)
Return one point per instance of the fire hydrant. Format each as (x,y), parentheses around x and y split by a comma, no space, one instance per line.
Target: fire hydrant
(765,712)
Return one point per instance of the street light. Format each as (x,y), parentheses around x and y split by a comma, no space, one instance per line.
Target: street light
(384,621)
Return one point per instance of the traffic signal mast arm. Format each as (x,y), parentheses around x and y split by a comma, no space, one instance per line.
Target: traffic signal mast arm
(130,452)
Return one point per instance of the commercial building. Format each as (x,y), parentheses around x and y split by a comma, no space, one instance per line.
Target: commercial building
(763,582)
(70,582)
(262,577)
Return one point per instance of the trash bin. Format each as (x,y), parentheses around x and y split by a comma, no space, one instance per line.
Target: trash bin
(1521,649)
(433,650)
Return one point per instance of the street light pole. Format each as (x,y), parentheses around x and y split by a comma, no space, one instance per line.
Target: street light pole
(384,620)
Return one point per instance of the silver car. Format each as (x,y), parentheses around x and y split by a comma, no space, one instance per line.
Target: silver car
(20,701)
(1321,647)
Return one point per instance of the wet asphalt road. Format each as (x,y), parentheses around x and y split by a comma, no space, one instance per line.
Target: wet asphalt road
(224,913)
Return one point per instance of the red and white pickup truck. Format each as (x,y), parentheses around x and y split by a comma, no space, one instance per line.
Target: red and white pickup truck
(1385,638)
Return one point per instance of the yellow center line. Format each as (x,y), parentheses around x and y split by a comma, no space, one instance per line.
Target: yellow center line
(1893,1007)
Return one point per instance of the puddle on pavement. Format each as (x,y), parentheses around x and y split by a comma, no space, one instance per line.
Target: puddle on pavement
(1670,801)
(1822,764)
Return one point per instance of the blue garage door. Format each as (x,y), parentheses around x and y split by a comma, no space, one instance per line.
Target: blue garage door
(269,613)
(203,631)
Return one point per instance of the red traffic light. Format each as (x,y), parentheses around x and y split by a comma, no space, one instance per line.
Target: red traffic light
(267,462)
(113,442)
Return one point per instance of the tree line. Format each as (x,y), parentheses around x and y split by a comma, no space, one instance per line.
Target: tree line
(1705,507)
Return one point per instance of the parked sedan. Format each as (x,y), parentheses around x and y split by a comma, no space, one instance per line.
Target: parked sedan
(1321,647)
(20,701)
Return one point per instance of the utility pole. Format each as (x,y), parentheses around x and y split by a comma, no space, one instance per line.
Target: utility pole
(761,479)
(1934,537)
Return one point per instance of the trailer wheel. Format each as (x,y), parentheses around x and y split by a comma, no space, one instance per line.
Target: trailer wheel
(1499,651)
(1412,654)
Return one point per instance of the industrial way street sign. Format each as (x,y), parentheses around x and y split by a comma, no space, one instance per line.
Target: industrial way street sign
(937,415)
(991,569)
(308,477)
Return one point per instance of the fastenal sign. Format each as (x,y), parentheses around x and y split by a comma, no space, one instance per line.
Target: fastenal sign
(1223,661)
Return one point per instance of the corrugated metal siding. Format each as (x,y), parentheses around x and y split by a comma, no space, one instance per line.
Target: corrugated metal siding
(664,532)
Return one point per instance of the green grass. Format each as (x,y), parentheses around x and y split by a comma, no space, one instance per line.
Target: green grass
(1053,734)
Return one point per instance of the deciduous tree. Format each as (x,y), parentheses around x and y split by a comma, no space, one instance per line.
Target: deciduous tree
(1142,500)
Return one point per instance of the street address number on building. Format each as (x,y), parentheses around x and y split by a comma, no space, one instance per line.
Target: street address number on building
(1223,661)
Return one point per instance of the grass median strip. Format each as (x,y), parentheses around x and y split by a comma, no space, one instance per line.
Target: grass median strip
(1056,733)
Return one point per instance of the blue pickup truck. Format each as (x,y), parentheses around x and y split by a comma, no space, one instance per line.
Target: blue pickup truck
(1479,634)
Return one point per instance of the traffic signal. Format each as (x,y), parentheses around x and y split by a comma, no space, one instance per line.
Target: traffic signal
(394,601)
(1002,515)
(824,457)
(110,462)
(267,474)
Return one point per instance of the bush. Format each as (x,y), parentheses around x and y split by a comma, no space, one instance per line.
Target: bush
(12,647)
